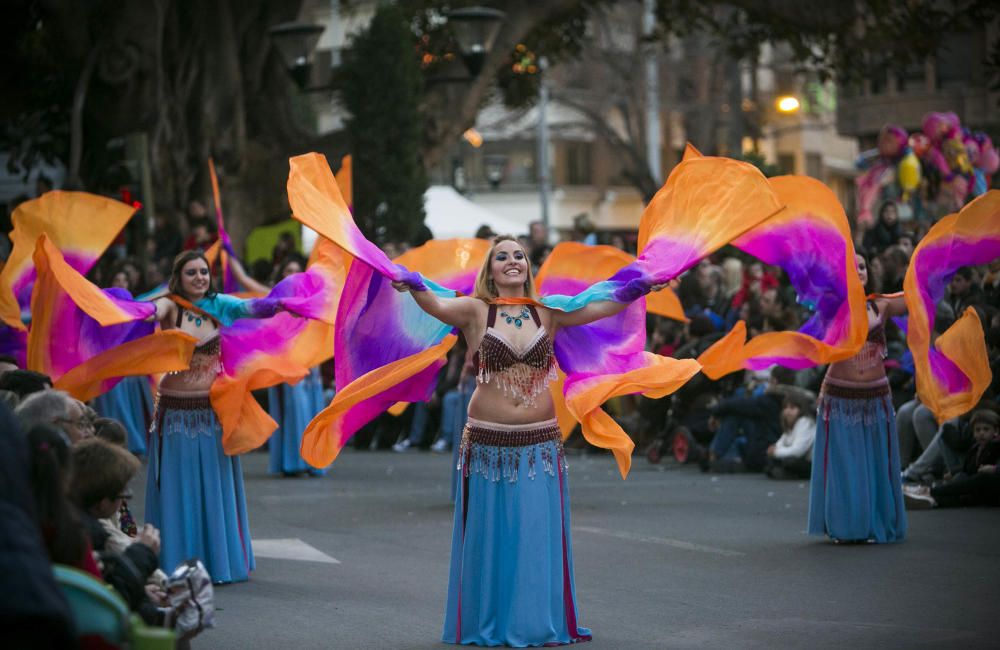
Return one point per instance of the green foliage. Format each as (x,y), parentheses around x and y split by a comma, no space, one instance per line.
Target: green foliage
(381,86)
(757,160)
(849,41)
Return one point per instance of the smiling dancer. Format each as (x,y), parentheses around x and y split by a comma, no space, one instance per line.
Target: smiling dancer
(512,520)
(194,491)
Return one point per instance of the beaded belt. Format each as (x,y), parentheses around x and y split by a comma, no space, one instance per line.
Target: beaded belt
(875,389)
(173,402)
(504,435)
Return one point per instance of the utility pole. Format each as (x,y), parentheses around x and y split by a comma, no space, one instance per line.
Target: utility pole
(652,92)
(544,177)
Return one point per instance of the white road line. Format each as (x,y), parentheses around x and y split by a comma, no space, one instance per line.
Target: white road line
(290,549)
(662,541)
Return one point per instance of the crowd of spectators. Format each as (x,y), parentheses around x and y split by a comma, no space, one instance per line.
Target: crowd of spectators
(70,496)
(65,496)
(765,421)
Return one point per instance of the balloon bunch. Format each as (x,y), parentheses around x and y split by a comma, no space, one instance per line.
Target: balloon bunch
(956,163)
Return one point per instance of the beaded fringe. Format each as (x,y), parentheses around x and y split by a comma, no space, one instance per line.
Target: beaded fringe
(498,454)
(871,355)
(524,378)
(190,416)
(867,412)
(522,382)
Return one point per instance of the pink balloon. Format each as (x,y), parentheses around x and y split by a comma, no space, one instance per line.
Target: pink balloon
(936,159)
(989,160)
(891,140)
(940,126)
(972,148)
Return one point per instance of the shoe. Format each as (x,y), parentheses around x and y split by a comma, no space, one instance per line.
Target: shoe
(441,446)
(918,497)
(402,445)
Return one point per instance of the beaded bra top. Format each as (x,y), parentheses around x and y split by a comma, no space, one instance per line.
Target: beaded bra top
(523,375)
(873,352)
(204,367)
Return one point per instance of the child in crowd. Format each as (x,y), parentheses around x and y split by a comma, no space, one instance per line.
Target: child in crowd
(978,483)
(791,456)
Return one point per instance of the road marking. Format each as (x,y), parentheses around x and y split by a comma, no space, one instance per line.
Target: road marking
(290,549)
(662,541)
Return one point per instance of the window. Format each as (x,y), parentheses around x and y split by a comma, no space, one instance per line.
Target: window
(578,168)
(814,165)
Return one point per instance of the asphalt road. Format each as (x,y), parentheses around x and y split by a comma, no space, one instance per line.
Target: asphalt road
(670,558)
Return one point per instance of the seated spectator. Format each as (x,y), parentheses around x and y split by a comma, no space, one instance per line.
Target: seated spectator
(7,363)
(58,409)
(746,426)
(894,263)
(962,291)
(24,382)
(99,484)
(62,531)
(121,525)
(10,399)
(756,280)
(33,611)
(791,456)
(886,230)
(915,427)
(977,482)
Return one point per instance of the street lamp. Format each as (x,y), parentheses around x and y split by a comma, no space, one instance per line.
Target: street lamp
(295,43)
(475,29)
(787,104)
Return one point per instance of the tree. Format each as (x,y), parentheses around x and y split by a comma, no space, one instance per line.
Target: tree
(201,78)
(385,128)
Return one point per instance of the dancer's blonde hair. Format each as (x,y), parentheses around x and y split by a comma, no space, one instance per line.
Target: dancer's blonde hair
(486,288)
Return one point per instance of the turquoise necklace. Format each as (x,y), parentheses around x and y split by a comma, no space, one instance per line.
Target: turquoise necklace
(519,319)
(193,318)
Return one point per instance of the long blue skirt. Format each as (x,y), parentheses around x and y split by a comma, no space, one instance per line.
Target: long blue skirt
(194,492)
(511,579)
(856,491)
(131,403)
(293,407)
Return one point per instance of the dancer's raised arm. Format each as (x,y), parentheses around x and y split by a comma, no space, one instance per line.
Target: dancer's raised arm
(458,312)
(597,310)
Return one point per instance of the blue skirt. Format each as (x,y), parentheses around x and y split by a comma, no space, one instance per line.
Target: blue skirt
(856,491)
(131,403)
(194,492)
(293,407)
(511,580)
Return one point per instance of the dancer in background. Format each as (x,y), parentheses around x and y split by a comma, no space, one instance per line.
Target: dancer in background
(293,406)
(130,401)
(194,491)
(856,491)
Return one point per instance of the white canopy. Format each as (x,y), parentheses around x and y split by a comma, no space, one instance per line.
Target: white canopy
(450,215)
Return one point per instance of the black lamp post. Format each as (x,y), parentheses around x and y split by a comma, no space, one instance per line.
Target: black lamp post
(475,29)
(295,43)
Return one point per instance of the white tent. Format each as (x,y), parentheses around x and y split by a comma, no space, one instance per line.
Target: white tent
(450,215)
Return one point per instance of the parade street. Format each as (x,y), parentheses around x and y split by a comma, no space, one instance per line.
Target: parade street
(670,558)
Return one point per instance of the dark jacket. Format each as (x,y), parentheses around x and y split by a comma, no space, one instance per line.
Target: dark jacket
(33,611)
(761,423)
(128,571)
(981,454)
